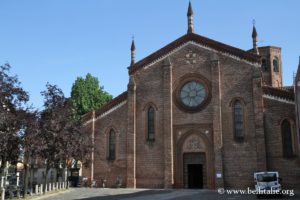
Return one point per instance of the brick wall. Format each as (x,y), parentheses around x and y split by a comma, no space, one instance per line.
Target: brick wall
(111,170)
(289,169)
(159,163)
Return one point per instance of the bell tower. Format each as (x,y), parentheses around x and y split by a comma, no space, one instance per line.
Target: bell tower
(271,65)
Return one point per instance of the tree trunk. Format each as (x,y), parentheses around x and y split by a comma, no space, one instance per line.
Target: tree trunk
(26,169)
(46,177)
(68,168)
(2,169)
(31,178)
(1,174)
(4,172)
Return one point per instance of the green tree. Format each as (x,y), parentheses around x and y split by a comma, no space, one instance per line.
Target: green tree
(88,95)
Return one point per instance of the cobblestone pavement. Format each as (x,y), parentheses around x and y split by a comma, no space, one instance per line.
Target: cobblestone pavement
(147,194)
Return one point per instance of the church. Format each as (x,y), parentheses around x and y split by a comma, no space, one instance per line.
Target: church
(197,113)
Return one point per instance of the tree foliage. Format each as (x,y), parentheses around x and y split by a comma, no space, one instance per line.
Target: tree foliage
(51,136)
(61,136)
(88,95)
(12,99)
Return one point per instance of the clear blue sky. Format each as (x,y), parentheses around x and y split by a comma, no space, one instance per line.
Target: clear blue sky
(58,40)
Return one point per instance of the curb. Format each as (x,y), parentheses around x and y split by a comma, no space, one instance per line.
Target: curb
(49,195)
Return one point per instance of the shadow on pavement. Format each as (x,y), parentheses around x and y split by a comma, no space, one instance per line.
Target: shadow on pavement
(171,195)
(130,195)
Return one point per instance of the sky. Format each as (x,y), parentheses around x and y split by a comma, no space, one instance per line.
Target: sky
(57,41)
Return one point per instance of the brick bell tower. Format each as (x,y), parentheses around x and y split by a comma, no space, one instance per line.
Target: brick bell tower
(271,65)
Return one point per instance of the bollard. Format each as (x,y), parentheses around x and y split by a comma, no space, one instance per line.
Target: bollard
(18,178)
(3,194)
(2,182)
(46,188)
(36,189)
(41,189)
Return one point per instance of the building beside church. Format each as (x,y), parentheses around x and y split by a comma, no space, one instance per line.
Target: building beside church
(198,114)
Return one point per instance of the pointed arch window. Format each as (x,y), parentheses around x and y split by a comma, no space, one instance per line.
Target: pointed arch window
(238,119)
(111,145)
(276,65)
(151,124)
(287,139)
(264,65)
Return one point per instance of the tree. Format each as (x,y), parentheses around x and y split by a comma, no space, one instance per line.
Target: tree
(12,100)
(30,145)
(60,136)
(87,95)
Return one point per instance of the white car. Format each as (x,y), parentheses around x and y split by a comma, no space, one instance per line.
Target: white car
(267,183)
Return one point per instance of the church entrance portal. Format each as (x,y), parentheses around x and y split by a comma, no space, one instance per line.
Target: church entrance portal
(195,176)
(194,170)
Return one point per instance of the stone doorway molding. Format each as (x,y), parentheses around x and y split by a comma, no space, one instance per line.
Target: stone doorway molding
(194,141)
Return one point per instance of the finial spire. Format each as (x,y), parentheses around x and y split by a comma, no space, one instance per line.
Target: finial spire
(132,49)
(190,19)
(254,39)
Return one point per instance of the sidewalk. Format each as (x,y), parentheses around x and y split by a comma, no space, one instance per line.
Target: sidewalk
(49,194)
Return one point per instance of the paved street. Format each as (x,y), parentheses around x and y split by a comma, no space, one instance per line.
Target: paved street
(147,194)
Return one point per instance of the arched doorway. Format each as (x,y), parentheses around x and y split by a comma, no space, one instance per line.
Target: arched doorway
(194,170)
(194,162)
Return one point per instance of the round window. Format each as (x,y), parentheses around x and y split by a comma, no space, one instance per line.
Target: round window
(192,94)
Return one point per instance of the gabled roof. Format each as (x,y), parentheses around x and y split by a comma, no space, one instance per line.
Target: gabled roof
(248,56)
(115,101)
(112,103)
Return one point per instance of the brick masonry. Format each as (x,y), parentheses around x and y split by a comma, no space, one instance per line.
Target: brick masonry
(160,163)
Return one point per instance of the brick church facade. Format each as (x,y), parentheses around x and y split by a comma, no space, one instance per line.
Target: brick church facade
(198,114)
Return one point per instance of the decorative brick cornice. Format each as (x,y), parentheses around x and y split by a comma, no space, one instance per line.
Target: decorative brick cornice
(288,88)
(281,93)
(87,117)
(278,99)
(106,108)
(191,37)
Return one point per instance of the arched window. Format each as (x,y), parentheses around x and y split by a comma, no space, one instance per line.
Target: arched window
(287,139)
(151,124)
(276,65)
(264,65)
(238,120)
(112,145)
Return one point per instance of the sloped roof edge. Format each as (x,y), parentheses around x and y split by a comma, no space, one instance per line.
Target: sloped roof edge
(279,92)
(115,101)
(198,39)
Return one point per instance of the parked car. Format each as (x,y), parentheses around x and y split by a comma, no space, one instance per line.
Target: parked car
(267,183)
